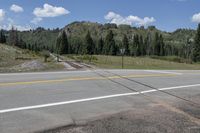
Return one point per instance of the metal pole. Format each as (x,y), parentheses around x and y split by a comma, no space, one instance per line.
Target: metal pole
(122,61)
(122,53)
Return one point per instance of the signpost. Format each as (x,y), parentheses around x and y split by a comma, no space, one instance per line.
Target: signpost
(122,50)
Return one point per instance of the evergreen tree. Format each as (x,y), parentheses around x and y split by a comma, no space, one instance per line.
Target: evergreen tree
(142,46)
(162,46)
(62,44)
(21,44)
(2,37)
(126,45)
(13,37)
(110,47)
(157,44)
(132,46)
(89,44)
(137,45)
(148,44)
(100,46)
(196,49)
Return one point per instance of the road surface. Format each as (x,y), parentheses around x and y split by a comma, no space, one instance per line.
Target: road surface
(36,102)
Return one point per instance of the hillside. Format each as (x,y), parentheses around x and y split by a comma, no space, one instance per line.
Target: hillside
(97,30)
(76,31)
(40,38)
(13,59)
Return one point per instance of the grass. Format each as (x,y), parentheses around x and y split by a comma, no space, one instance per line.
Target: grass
(12,57)
(115,62)
(173,59)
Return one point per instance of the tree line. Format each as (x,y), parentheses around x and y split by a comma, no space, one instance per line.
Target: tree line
(135,45)
(138,46)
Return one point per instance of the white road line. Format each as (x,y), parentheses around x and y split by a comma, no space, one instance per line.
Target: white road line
(92,99)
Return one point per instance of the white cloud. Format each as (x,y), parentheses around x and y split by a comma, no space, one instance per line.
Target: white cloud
(196,18)
(2,15)
(49,11)
(130,20)
(9,23)
(16,8)
(36,20)
(18,27)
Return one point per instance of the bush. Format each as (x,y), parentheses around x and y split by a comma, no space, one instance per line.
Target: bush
(46,55)
(87,57)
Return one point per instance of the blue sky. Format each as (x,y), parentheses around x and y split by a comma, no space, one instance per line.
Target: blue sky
(164,14)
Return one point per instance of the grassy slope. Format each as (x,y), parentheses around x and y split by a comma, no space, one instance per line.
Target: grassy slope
(137,63)
(9,63)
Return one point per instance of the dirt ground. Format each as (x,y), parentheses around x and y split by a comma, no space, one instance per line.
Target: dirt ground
(154,118)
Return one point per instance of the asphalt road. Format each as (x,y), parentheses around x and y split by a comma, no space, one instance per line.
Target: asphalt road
(32,102)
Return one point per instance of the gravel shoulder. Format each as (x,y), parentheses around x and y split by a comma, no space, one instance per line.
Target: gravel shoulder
(154,118)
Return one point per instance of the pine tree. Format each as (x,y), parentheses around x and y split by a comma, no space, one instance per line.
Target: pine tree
(110,47)
(126,45)
(148,45)
(142,46)
(14,40)
(89,44)
(13,37)
(100,46)
(2,37)
(137,45)
(196,49)
(162,46)
(62,44)
(157,44)
(22,44)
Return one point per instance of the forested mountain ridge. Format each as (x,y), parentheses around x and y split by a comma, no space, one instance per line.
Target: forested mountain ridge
(178,39)
(100,30)
(175,43)
(40,38)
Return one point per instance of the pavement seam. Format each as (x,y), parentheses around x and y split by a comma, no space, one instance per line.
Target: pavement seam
(84,78)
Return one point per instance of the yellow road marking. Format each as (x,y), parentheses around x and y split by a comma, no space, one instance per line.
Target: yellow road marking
(84,78)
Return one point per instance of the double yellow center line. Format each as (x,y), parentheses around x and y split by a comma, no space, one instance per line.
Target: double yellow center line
(84,78)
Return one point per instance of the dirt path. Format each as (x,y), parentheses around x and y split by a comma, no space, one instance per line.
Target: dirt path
(72,65)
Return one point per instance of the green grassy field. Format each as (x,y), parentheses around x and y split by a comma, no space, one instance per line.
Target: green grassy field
(135,62)
(13,59)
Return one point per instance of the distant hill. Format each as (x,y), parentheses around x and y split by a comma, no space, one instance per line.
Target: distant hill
(177,40)
(76,31)
(79,29)
(97,30)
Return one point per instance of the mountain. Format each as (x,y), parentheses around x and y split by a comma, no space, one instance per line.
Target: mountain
(46,39)
(97,30)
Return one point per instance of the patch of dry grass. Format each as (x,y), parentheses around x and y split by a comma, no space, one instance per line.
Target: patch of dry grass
(115,62)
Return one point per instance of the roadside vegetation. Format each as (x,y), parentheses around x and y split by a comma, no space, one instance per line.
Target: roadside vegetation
(102,45)
(115,62)
(14,59)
